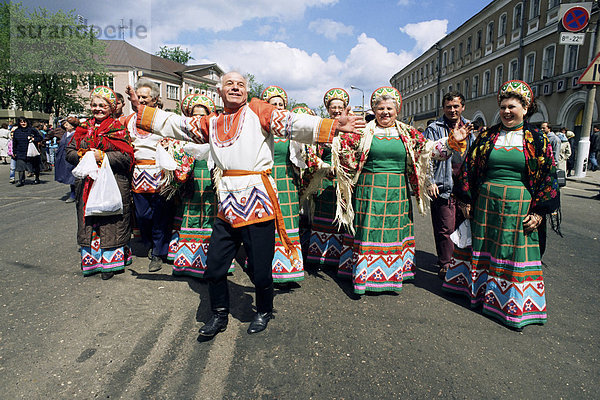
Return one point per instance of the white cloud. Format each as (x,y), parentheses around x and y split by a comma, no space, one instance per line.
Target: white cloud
(404,2)
(306,76)
(329,28)
(426,33)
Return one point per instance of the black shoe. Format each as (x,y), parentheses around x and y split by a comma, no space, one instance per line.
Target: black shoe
(217,323)
(36,181)
(20,184)
(107,275)
(259,323)
(155,264)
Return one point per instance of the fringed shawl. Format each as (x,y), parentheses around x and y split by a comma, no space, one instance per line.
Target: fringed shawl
(350,152)
(540,179)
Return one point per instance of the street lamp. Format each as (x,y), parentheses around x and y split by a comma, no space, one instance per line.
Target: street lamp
(363,98)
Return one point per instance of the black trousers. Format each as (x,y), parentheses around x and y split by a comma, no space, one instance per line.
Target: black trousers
(225,241)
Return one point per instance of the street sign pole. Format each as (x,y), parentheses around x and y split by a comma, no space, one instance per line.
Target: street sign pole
(583,147)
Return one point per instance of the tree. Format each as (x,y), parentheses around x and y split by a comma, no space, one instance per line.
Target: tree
(176,54)
(255,88)
(44,58)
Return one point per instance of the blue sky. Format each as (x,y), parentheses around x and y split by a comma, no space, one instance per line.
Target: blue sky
(304,46)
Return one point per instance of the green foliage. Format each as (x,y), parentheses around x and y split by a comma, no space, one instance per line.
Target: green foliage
(176,54)
(44,58)
(255,88)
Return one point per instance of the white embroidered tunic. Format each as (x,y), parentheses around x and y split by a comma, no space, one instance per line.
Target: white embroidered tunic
(241,141)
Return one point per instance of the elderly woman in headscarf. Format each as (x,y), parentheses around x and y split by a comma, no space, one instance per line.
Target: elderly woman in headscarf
(325,243)
(507,185)
(198,210)
(288,160)
(23,136)
(373,173)
(104,240)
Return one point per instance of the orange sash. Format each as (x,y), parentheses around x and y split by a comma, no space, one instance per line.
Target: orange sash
(279,222)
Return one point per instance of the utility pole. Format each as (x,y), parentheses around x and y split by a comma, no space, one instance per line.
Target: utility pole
(583,147)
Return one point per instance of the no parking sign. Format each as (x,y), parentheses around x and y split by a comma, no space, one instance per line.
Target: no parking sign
(575,16)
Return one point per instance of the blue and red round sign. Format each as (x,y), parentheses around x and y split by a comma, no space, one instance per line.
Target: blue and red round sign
(576,19)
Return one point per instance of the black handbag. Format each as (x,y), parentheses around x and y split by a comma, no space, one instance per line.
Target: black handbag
(562,177)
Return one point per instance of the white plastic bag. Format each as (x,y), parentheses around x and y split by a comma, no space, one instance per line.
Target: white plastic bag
(32,151)
(87,167)
(164,160)
(462,236)
(105,196)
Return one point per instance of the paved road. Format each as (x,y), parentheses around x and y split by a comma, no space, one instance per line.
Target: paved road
(135,336)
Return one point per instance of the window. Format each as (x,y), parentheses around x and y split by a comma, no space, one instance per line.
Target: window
(517,16)
(466,88)
(535,9)
(553,3)
(499,77)
(478,40)
(458,87)
(513,70)
(172,92)
(485,89)
(489,36)
(449,88)
(452,55)
(427,69)
(460,51)
(502,25)
(548,62)
(571,53)
(431,106)
(444,59)
(529,74)
(94,81)
(469,40)
(475,87)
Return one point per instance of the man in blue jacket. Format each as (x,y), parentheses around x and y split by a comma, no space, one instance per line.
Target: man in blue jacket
(444,215)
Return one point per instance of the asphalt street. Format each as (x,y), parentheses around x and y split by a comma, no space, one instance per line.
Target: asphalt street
(136,336)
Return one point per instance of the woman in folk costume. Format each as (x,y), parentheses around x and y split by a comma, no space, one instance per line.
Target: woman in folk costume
(287,162)
(373,172)
(506,185)
(104,240)
(325,243)
(198,210)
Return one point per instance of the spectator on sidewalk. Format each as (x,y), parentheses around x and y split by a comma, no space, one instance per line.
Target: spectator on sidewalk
(4,139)
(594,147)
(22,136)
(554,140)
(63,169)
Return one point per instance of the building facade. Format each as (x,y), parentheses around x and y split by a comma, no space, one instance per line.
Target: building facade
(508,39)
(126,64)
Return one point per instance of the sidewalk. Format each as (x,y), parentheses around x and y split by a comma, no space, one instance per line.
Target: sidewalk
(591,178)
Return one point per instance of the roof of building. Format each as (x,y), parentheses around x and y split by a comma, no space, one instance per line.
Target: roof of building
(122,54)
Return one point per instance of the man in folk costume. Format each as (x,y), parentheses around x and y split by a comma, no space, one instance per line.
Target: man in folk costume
(152,213)
(241,144)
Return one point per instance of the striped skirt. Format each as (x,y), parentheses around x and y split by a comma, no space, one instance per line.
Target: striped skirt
(95,259)
(503,270)
(384,245)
